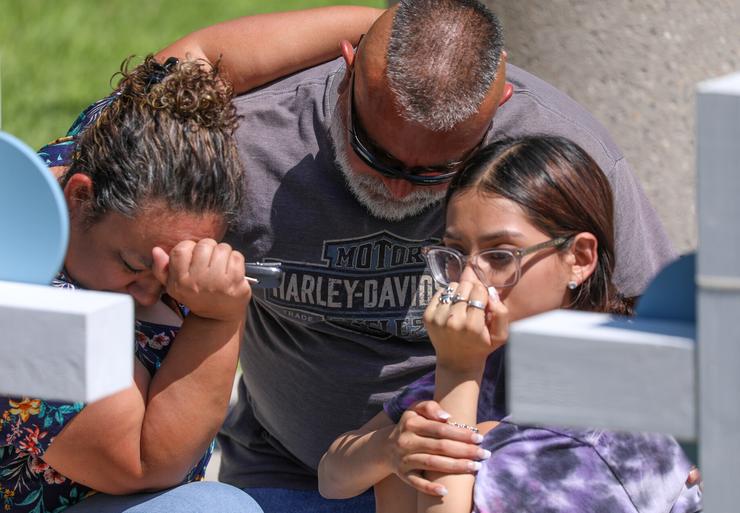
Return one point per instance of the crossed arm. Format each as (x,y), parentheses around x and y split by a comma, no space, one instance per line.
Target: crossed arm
(151,434)
(424,463)
(399,460)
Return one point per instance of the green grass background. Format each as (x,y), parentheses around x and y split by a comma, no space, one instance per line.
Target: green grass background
(57,56)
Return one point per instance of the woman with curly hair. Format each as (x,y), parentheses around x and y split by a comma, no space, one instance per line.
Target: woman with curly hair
(152,181)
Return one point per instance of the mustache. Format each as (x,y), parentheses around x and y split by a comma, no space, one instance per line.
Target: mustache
(369,190)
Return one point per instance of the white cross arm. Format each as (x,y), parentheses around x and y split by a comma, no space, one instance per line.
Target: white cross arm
(718,280)
(69,345)
(584,369)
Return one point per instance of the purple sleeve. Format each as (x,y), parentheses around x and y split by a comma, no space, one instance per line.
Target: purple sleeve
(420,390)
(541,469)
(491,403)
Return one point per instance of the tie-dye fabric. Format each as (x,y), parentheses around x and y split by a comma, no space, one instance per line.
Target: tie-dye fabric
(563,470)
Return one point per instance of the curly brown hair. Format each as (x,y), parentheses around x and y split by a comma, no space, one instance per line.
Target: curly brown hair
(167,136)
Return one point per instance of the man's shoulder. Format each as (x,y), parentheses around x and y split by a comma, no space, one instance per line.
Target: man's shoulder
(316,78)
(537,107)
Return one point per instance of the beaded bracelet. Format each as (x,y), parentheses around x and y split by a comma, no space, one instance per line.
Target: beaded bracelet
(464,426)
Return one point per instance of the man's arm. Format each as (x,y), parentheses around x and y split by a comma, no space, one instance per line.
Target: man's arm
(255,50)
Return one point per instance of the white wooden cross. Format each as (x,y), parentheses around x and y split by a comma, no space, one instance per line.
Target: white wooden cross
(69,345)
(581,369)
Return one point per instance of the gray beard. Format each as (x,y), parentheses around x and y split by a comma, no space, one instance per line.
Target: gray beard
(369,190)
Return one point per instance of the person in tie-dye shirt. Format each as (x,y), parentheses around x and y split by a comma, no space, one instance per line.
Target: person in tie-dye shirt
(529,229)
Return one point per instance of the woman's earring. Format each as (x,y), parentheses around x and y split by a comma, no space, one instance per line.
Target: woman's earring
(572,285)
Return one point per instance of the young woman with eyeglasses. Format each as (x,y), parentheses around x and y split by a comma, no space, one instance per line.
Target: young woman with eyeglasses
(529,229)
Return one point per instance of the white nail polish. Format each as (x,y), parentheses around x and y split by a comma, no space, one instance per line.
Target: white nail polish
(442,491)
(443,415)
(474,466)
(493,293)
(484,454)
(477,438)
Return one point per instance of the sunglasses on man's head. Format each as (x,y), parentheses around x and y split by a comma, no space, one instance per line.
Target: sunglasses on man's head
(388,165)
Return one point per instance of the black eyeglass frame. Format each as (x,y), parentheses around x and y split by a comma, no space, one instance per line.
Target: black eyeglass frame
(517,254)
(420,175)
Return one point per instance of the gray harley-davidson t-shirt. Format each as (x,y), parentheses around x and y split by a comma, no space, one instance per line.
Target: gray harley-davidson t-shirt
(343,333)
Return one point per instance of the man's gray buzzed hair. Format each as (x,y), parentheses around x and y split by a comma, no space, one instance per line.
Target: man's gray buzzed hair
(442,59)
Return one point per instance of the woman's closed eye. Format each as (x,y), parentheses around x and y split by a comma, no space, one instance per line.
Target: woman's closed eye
(128,267)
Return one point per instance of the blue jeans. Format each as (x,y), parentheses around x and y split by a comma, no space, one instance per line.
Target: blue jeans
(281,500)
(200,497)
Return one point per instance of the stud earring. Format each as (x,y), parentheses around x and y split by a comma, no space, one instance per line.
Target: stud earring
(572,285)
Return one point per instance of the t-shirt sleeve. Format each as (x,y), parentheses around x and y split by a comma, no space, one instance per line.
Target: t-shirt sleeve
(643,246)
(533,469)
(420,390)
(30,425)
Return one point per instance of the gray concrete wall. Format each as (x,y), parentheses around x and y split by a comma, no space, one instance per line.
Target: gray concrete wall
(634,64)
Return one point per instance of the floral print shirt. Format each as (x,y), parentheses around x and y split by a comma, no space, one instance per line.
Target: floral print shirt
(28,425)
(61,151)
(563,470)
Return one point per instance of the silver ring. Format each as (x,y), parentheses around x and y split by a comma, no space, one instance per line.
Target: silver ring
(449,290)
(480,305)
(457,298)
(445,298)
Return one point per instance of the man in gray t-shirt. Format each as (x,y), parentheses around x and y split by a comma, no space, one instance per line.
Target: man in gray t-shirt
(346,165)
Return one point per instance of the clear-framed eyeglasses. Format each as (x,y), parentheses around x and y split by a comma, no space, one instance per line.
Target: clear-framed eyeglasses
(498,268)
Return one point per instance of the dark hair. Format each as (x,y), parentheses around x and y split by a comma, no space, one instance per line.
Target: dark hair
(167,135)
(563,192)
(442,59)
